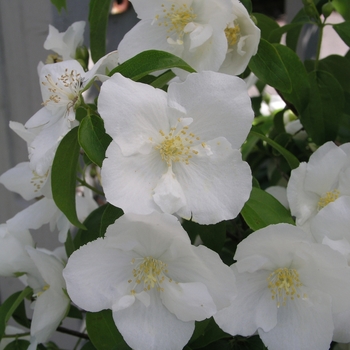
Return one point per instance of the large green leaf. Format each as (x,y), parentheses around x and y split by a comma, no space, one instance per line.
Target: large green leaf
(262,210)
(93,138)
(290,158)
(98,19)
(322,116)
(266,25)
(64,174)
(268,66)
(343,7)
(299,94)
(18,344)
(148,62)
(9,306)
(102,331)
(109,216)
(343,30)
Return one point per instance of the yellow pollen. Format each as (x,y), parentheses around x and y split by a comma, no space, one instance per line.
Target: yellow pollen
(175,147)
(37,181)
(232,34)
(176,18)
(329,197)
(283,284)
(43,289)
(150,272)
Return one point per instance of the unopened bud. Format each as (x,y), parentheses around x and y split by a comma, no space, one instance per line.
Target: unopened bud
(327,9)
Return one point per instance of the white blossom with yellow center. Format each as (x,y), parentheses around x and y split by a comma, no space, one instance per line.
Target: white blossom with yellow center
(321,181)
(288,288)
(174,153)
(156,283)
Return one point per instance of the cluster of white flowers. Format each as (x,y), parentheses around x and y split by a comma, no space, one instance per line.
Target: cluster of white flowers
(173,155)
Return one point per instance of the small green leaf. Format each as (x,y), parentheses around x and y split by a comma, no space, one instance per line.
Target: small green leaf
(64,174)
(148,62)
(93,138)
(290,158)
(18,344)
(9,306)
(262,210)
(109,216)
(102,331)
(343,30)
(20,315)
(293,34)
(343,7)
(92,226)
(268,66)
(60,4)
(98,19)
(275,35)
(163,79)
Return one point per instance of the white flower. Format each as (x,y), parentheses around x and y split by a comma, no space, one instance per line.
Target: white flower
(61,87)
(52,303)
(66,43)
(322,180)
(175,153)
(243,38)
(288,289)
(156,283)
(216,35)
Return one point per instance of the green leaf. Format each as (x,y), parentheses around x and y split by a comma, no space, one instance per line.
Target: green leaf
(98,19)
(9,306)
(290,158)
(69,245)
(212,333)
(343,30)
(93,138)
(262,210)
(88,346)
(148,62)
(266,25)
(276,35)
(343,7)
(293,34)
(20,315)
(102,331)
(199,329)
(322,116)
(60,4)
(109,216)
(63,176)
(163,79)
(268,66)
(74,312)
(299,94)
(92,226)
(18,344)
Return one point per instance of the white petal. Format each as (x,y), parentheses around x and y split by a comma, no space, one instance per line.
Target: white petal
(302,325)
(188,301)
(96,275)
(129,182)
(230,116)
(216,186)
(133,113)
(168,194)
(160,328)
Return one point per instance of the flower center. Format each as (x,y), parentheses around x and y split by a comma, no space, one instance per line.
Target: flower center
(176,146)
(43,289)
(150,272)
(38,181)
(53,58)
(329,197)
(65,90)
(176,18)
(232,34)
(284,283)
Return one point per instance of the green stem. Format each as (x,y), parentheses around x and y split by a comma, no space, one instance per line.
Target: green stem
(319,43)
(84,183)
(16,335)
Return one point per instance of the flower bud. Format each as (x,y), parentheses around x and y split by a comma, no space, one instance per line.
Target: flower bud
(327,9)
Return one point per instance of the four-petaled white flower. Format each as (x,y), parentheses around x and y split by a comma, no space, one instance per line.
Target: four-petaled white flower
(156,283)
(207,34)
(288,289)
(322,180)
(65,43)
(174,153)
